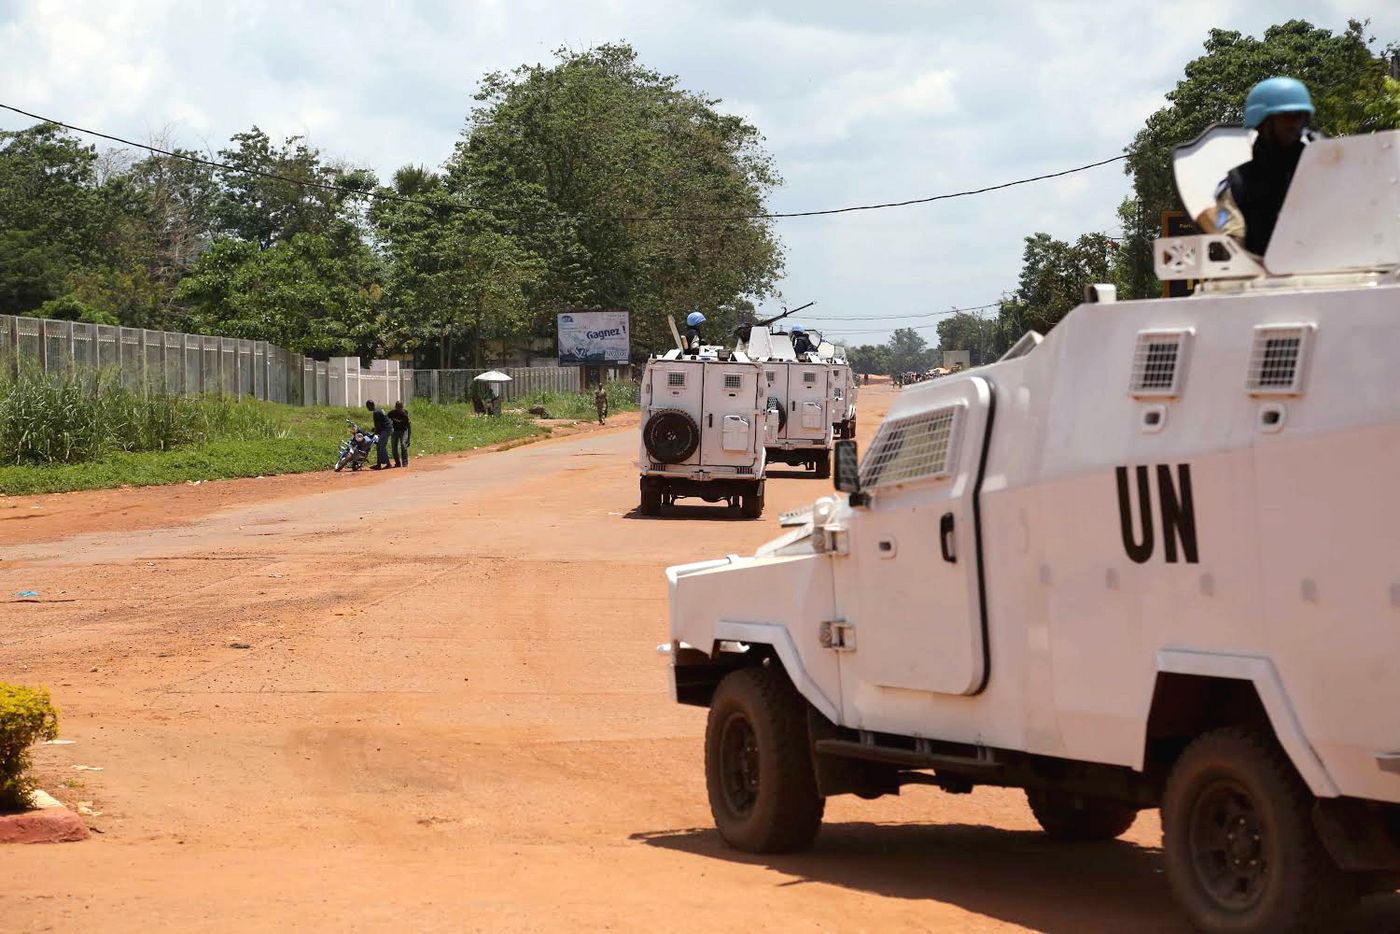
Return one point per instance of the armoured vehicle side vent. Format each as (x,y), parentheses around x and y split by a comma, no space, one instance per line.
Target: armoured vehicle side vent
(916,447)
(1158,362)
(771,376)
(675,379)
(809,377)
(1277,358)
(733,381)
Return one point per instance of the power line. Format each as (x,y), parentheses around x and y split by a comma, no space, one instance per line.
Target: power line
(931,314)
(388,196)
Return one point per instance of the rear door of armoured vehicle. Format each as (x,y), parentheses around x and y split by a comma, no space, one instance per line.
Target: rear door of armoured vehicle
(808,418)
(728,432)
(775,378)
(675,384)
(910,586)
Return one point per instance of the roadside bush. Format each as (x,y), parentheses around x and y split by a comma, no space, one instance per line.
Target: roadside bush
(82,416)
(27,715)
(622,395)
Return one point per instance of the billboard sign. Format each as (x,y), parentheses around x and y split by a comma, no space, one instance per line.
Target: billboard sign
(593,337)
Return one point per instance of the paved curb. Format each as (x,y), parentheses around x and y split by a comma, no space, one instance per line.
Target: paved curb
(48,822)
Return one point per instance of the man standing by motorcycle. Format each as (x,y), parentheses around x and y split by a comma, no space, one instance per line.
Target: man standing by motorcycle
(402,429)
(382,429)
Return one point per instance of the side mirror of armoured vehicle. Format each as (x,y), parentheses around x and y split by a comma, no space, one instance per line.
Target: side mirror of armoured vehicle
(848,471)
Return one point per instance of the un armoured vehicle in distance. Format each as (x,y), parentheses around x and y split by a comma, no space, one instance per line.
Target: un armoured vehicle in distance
(704,422)
(800,390)
(845,383)
(1151,560)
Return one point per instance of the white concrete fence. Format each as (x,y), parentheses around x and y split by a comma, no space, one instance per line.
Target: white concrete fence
(190,364)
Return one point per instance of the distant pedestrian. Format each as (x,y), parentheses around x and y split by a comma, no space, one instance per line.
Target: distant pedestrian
(382,429)
(403,428)
(600,402)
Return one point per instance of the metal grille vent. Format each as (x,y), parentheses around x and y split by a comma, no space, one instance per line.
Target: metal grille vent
(733,381)
(771,376)
(1157,363)
(1276,360)
(916,447)
(809,377)
(675,379)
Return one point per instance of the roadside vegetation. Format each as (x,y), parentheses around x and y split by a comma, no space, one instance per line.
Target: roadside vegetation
(27,715)
(622,396)
(80,433)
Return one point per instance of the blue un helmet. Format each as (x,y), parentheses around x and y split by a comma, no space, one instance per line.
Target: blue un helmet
(798,329)
(1276,96)
(694,319)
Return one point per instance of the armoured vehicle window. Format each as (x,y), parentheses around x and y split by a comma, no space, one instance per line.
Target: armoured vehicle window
(1159,365)
(911,448)
(809,377)
(1274,360)
(1157,360)
(675,379)
(733,381)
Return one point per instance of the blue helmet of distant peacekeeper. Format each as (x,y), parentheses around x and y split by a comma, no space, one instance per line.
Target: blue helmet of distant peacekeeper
(694,319)
(1276,96)
(798,329)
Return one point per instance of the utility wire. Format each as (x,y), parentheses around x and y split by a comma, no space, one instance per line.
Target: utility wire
(931,314)
(388,196)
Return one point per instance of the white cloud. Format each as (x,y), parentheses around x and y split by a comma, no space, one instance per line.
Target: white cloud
(881,100)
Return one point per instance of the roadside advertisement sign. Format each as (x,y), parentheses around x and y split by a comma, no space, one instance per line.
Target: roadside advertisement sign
(593,337)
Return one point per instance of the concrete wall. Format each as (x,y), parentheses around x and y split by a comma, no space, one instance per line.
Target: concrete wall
(456,385)
(190,364)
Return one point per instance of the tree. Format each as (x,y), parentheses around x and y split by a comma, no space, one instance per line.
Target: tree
(602,168)
(53,218)
(909,352)
(307,294)
(870,358)
(1350,88)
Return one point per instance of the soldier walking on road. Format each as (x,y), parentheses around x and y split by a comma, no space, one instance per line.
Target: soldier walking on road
(600,402)
(403,428)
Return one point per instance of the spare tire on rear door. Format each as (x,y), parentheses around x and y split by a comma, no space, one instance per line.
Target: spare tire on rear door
(670,436)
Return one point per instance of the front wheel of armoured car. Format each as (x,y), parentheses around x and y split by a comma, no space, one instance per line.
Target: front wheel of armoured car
(651,501)
(758,767)
(1237,832)
(823,466)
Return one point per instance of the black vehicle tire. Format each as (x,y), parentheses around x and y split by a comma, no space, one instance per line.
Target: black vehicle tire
(356,465)
(758,764)
(751,504)
(823,466)
(775,403)
(1070,817)
(651,500)
(1241,851)
(670,436)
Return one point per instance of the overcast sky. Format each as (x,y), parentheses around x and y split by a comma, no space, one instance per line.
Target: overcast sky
(859,101)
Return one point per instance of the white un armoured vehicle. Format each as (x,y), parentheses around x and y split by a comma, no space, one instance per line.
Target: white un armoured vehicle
(1149,561)
(801,391)
(704,422)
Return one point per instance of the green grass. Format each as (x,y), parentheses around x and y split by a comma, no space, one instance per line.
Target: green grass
(622,396)
(250,439)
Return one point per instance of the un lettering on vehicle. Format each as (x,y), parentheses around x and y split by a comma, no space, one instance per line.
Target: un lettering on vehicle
(1172,512)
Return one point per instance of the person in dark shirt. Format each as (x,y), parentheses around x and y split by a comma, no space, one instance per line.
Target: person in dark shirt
(1248,201)
(402,430)
(801,343)
(694,340)
(382,429)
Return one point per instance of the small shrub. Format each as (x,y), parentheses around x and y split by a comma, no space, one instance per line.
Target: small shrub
(27,715)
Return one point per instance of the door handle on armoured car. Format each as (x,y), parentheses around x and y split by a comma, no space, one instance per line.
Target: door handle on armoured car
(945,538)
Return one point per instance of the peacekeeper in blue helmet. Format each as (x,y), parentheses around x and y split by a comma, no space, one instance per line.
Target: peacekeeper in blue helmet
(693,340)
(1248,201)
(801,343)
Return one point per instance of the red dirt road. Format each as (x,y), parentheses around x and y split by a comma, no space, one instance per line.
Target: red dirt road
(451,716)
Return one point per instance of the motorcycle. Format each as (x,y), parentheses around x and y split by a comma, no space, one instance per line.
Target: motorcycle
(354,450)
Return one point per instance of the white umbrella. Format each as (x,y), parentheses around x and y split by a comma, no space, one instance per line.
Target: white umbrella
(494,376)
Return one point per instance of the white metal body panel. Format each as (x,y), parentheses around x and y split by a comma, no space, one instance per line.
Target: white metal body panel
(1275,542)
(730,416)
(803,391)
(1315,233)
(915,608)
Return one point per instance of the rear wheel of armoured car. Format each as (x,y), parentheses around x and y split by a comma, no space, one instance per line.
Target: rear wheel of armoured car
(751,504)
(1067,816)
(1241,850)
(651,500)
(670,436)
(758,767)
(822,465)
